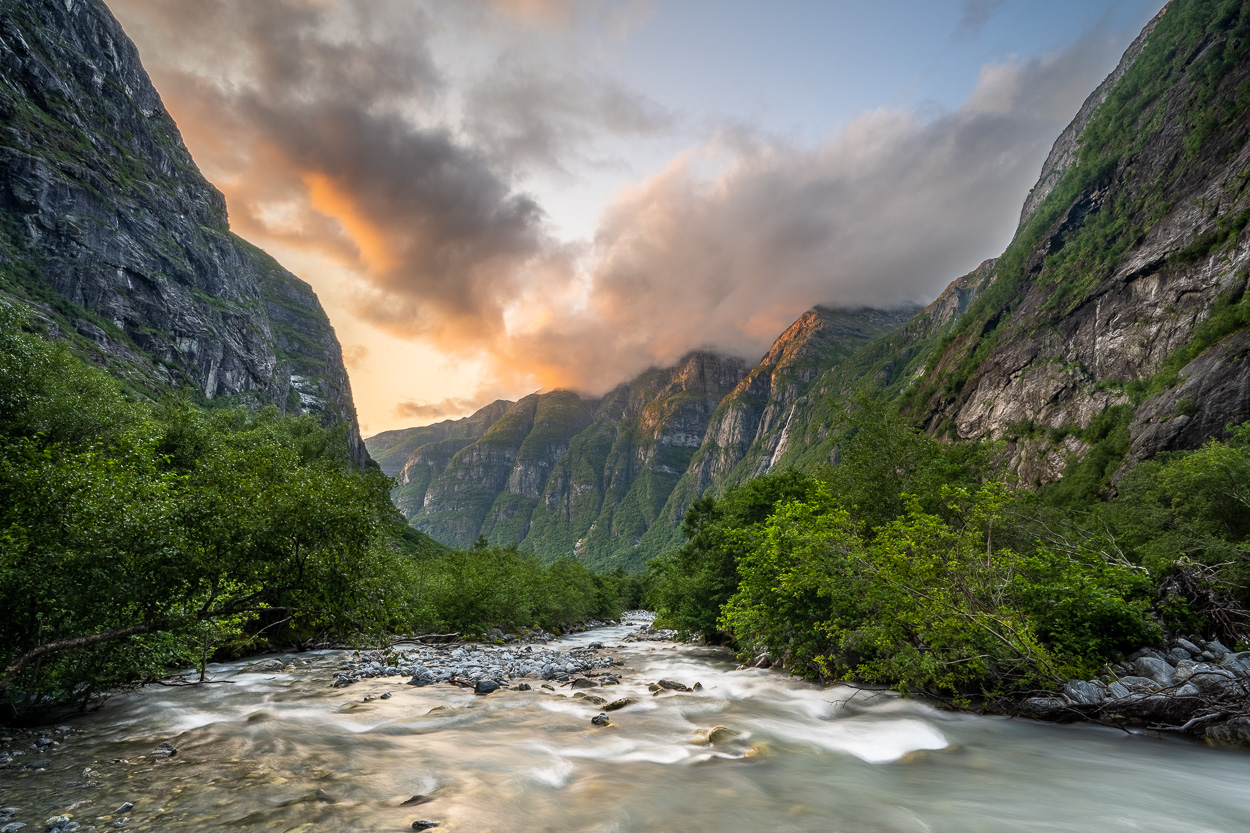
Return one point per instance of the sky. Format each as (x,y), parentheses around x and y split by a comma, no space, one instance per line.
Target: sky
(493,197)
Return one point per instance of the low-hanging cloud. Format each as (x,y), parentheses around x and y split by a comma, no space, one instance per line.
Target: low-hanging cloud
(332,127)
(431,411)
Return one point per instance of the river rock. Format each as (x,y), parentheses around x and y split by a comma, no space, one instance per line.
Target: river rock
(1140,684)
(164,749)
(1083,693)
(673,685)
(1189,646)
(485,686)
(12,827)
(721,734)
(583,682)
(1179,654)
(424,824)
(1044,708)
(1217,648)
(1235,732)
(617,705)
(126,807)
(1239,664)
(1210,679)
(600,720)
(1155,669)
(1118,690)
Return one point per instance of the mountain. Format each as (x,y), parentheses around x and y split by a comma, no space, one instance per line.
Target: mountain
(608,479)
(392,449)
(110,232)
(1114,325)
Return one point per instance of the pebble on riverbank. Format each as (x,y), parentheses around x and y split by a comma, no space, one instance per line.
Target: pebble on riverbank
(485,668)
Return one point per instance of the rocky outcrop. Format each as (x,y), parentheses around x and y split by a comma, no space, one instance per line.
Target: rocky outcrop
(1198,687)
(1132,239)
(110,231)
(755,425)
(1214,392)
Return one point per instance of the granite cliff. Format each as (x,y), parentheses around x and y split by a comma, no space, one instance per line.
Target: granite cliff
(110,232)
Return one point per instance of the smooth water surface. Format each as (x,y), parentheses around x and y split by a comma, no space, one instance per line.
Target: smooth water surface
(253,754)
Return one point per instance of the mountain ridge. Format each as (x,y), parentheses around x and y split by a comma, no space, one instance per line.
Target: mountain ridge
(110,232)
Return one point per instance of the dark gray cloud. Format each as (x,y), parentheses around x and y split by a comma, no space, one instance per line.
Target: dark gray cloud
(575,106)
(973,17)
(327,126)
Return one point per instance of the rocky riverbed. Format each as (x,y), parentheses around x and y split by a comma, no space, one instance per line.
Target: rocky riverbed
(613,729)
(1195,686)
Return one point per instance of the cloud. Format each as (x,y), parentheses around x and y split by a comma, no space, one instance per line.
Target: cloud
(574,106)
(333,127)
(883,213)
(973,17)
(426,412)
(354,355)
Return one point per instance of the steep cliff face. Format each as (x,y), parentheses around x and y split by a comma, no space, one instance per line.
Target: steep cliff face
(753,427)
(560,473)
(1123,291)
(110,231)
(602,500)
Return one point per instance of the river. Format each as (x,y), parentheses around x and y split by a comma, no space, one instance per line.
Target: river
(253,754)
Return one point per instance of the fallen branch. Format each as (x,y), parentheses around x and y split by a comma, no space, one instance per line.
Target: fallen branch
(19,665)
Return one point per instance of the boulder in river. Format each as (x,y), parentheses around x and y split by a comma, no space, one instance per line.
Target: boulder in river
(721,734)
(600,719)
(485,686)
(1235,733)
(1084,693)
(424,824)
(616,705)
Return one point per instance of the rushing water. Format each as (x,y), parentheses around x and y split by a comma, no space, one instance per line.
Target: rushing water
(254,753)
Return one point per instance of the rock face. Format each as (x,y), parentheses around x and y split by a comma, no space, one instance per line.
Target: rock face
(1123,288)
(608,479)
(560,473)
(110,231)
